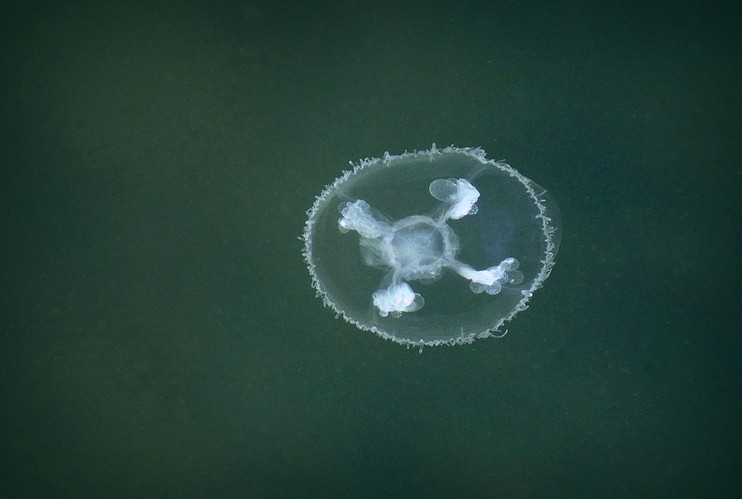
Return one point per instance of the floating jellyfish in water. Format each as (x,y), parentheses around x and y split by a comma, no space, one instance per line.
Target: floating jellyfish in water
(431,247)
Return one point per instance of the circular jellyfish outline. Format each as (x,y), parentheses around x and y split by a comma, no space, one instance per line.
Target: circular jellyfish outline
(549,231)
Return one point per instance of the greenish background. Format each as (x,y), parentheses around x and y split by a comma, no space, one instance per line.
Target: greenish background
(159,336)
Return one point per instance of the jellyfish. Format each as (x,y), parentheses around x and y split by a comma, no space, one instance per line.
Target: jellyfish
(434,247)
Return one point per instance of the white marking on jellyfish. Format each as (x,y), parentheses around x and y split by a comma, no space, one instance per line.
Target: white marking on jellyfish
(459,193)
(490,280)
(358,216)
(396,299)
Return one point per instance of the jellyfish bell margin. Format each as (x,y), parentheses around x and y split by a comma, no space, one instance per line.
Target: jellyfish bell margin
(435,247)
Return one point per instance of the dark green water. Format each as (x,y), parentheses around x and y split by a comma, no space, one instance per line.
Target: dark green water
(159,337)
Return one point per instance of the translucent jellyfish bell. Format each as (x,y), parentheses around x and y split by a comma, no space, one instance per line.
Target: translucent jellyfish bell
(433,247)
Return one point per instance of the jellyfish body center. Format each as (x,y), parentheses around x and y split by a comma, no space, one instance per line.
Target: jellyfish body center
(420,249)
